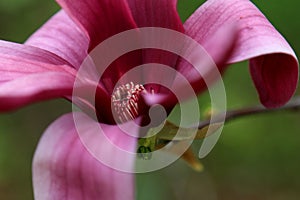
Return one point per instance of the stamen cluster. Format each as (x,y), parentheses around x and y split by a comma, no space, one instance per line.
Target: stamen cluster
(125,101)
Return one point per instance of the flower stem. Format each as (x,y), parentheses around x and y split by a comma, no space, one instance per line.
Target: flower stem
(169,132)
(293,105)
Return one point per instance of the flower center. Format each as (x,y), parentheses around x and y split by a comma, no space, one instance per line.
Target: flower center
(125,101)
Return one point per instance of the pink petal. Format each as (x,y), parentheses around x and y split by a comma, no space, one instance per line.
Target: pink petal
(275,87)
(200,69)
(64,169)
(18,60)
(273,64)
(61,36)
(99,19)
(30,74)
(157,13)
(207,60)
(120,67)
(35,87)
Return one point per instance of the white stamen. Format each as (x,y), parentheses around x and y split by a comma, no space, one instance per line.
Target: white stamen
(125,101)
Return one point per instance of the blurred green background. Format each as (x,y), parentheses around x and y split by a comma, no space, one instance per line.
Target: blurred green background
(256,158)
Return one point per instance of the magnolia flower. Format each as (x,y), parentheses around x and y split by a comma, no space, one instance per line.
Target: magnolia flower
(45,67)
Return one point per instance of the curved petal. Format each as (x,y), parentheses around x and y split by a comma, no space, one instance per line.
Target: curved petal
(205,65)
(200,69)
(99,19)
(275,86)
(18,60)
(64,169)
(273,64)
(35,87)
(61,36)
(29,74)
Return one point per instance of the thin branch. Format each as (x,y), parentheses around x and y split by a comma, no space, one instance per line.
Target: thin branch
(293,105)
